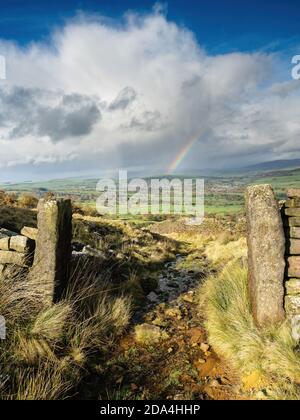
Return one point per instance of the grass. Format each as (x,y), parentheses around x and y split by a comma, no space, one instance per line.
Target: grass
(48,350)
(266,358)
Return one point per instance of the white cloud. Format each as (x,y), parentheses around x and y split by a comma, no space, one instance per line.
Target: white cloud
(101,94)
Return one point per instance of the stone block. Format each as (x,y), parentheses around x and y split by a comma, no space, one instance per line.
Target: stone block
(292,232)
(292,286)
(14,258)
(292,212)
(293,192)
(293,246)
(21,244)
(266,251)
(29,232)
(293,267)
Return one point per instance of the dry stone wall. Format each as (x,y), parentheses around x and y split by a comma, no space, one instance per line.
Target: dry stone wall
(16,252)
(291,220)
(273,236)
(44,254)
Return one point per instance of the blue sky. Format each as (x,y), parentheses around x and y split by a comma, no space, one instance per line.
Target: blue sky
(220,25)
(103,85)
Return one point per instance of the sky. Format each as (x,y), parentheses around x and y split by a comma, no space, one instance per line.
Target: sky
(96,86)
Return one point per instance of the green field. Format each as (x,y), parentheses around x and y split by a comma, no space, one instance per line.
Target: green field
(223,195)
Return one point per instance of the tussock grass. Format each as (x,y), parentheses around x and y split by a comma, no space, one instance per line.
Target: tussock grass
(48,349)
(266,358)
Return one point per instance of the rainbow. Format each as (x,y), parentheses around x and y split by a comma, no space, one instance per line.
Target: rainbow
(183,153)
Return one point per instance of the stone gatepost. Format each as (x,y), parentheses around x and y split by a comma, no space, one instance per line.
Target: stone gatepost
(266,251)
(53,248)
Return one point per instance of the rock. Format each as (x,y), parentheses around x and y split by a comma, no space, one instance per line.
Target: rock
(189,297)
(292,304)
(292,212)
(4,243)
(14,258)
(152,297)
(293,246)
(293,267)
(196,335)
(5,236)
(173,313)
(21,244)
(293,192)
(292,202)
(29,232)
(291,221)
(266,250)
(204,347)
(93,252)
(53,248)
(149,334)
(293,232)
(292,286)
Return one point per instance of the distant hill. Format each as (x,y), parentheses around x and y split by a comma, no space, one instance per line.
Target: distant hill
(273,165)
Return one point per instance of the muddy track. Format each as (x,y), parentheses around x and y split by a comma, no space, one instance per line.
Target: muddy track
(181,365)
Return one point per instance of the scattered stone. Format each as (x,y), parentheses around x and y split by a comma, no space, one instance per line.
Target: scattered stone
(152,297)
(149,334)
(292,304)
(188,298)
(173,313)
(204,347)
(293,192)
(201,361)
(30,232)
(292,286)
(293,267)
(196,335)
(266,250)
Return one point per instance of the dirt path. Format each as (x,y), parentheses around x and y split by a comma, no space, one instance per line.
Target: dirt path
(176,362)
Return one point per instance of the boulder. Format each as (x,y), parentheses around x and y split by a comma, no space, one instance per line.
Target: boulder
(266,250)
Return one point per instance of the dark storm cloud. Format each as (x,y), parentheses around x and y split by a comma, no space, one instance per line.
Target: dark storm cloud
(125,98)
(35,112)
